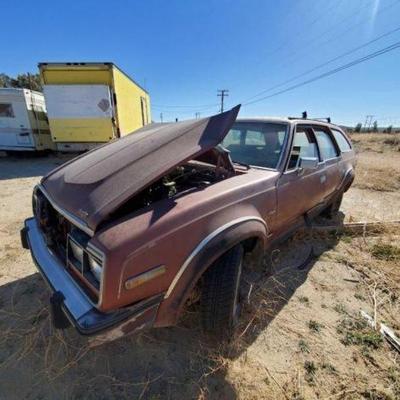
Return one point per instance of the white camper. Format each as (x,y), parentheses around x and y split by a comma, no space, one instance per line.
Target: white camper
(23,121)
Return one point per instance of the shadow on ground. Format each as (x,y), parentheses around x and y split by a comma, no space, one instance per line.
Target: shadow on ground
(29,164)
(173,363)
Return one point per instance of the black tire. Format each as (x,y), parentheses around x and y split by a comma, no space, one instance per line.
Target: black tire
(220,298)
(332,211)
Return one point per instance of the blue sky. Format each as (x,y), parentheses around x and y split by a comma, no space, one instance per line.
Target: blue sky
(183,51)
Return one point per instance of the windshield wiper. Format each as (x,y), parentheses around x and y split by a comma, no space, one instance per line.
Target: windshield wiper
(242,164)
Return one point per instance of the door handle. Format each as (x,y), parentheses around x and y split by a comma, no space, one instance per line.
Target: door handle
(322,178)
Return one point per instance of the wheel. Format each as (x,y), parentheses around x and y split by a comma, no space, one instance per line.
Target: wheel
(334,207)
(220,298)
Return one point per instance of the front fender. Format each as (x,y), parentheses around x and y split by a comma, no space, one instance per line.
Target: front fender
(203,255)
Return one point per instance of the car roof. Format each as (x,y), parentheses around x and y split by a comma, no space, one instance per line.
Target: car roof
(287,120)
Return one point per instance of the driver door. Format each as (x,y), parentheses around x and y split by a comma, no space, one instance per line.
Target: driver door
(300,190)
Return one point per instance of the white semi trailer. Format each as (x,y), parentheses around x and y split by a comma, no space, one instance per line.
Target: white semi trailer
(23,121)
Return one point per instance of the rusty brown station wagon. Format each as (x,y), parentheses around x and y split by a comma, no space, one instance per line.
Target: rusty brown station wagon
(123,234)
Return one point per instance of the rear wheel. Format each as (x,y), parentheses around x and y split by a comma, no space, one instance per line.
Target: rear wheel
(220,299)
(332,211)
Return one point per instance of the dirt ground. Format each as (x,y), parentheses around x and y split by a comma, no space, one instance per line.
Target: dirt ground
(300,337)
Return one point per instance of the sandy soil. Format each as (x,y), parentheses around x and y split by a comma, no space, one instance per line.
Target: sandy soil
(289,345)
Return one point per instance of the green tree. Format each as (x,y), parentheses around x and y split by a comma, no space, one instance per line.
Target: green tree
(5,80)
(358,127)
(27,81)
(375,126)
(389,129)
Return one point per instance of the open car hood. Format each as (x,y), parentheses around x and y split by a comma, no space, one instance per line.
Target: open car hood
(93,185)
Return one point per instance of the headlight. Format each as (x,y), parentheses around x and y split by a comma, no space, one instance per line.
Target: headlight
(87,259)
(34,201)
(76,251)
(95,267)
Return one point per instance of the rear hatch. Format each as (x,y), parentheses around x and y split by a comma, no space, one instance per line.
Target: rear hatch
(90,187)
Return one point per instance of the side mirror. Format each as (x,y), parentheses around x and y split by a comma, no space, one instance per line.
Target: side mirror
(308,163)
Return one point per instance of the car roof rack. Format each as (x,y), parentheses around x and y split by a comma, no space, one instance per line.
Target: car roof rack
(304,116)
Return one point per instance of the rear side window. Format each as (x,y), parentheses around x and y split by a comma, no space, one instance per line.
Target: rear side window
(325,144)
(341,140)
(303,146)
(6,110)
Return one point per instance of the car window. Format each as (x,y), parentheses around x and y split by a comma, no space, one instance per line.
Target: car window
(6,110)
(232,138)
(255,137)
(256,143)
(303,146)
(342,142)
(325,144)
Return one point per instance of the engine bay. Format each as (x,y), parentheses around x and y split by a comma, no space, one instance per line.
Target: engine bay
(185,178)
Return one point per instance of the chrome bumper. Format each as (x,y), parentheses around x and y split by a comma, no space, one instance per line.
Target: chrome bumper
(79,310)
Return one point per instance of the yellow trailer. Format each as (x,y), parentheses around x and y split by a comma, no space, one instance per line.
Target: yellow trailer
(91,103)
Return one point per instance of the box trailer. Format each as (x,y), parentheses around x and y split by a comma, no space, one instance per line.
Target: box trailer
(91,103)
(23,121)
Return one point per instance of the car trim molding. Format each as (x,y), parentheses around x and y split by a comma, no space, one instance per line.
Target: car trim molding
(203,243)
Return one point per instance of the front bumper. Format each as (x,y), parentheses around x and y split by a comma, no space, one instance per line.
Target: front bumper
(76,306)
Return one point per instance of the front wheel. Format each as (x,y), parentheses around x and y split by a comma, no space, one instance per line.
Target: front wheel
(220,298)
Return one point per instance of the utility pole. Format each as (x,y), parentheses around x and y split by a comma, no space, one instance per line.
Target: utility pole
(29,81)
(161,117)
(368,122)
(197,115)
(222,93)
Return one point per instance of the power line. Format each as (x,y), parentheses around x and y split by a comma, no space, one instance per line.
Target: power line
(301,30)
(205,107)
(326,63)
(334,28)
(331,72)
(222,93)
(353,26)
(294,54)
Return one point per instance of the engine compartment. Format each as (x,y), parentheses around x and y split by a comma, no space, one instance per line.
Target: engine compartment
(183,179)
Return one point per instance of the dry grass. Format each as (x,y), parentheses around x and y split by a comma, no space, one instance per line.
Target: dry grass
(338,355)
(289,344)
(374,171)
(377,142)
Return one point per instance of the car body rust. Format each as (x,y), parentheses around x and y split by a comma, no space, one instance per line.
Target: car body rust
(157,216)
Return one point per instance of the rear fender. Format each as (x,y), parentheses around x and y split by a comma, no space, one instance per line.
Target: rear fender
(213,246)
(347,180)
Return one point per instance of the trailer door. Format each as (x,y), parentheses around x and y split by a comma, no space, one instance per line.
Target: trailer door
(80,113)
(15,129)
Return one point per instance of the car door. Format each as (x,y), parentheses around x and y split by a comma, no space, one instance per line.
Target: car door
(330,155)
(300,190)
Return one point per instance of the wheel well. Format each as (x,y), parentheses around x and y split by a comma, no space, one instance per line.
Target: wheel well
(249,245)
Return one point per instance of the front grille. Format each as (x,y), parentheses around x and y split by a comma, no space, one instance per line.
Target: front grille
(58,233)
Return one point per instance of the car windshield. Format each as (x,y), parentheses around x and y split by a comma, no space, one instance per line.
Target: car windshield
(256,143)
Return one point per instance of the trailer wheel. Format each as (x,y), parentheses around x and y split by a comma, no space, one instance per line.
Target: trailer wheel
(220,299)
